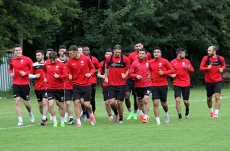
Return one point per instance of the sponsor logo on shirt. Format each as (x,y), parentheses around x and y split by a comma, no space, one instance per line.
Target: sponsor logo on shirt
(22,61)
(82,62)
(183,63)
(57,67)
(160,64)
(147,64)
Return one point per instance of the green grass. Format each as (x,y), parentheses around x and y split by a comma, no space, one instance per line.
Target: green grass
(198,132)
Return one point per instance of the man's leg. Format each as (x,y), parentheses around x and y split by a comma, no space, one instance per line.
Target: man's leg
(120,110)
(156,111)
(77,109)
(92,101)
(178,108)
(45,111)
(217,105)
(52,112)
(165,107)
(70,112)
(18,110)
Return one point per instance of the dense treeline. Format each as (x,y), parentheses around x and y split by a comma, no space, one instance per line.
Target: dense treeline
(100,24)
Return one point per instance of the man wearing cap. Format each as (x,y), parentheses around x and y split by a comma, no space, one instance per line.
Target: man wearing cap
(181,80)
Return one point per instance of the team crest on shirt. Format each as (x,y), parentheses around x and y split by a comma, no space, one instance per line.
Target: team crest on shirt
(147,64)
(183,63)
(160,64)
(82,62)
(57,67)
(22,61)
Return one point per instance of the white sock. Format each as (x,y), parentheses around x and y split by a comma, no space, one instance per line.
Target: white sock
(78,121)
(91,114)
(20,119)
(54,119)
(62,120)
(217,112)
(141,113)
(158,119)
(210,109)
(166,114)
(146,116)
(44,117)
(50,116)
(66,114)
(70,116)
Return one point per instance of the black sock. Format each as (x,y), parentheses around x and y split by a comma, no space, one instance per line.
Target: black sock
(110,115)
(115,112)
(121,118)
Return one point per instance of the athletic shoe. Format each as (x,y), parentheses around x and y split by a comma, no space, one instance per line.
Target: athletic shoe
(187,113)
(92,120)
(212,114)
(62,124)
(134,116)
(20,123)
(215,115)
(71,122)
(145,120)
(141,117)
(111,118)
(167,120)
(130,116)
(115,117)
(121,122)
(55,124)
(32,119)
(65,119)
(158,123)
(43,123)
(78,125)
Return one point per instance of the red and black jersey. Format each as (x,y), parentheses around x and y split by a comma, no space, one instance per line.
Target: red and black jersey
(39,82)
(140,67)
(155,66)
(102,71)
(17,65)
(182,78)
(48,72)
(213,74)
(78,68)
(117,66)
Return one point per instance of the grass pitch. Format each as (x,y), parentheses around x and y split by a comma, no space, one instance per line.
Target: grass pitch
(198,132)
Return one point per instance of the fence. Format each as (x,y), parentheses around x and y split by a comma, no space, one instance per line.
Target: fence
(5,80)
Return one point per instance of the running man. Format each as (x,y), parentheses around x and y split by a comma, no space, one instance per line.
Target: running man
(159,68)
(80,70)
(19,70)
(213,65)
(116,72)
(140,71)
(181,80)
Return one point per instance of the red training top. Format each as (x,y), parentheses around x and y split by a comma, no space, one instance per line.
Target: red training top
(117,66)
(68,84)
(102,71)
(48,72)
(182,78)
(78,68)
(22,63)
(213,74)
(140,67)
(96,65)
(39,82)
(155,66)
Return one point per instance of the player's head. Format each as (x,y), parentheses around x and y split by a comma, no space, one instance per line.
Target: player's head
(138,45)
(39,55)
(157,52)
(80,49)
(73,51)
(48,52)
(142,53)
(128,50)
(66,56)
(61,50)
(117,50)
(108,52)
(53,57)
(180,53)
(86,51)
(17,50)
(212,51)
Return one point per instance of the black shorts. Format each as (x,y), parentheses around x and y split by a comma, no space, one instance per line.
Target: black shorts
(82,92)
(40,94)
(117,92)
(68,96)
(160,92)
(130,86)
(141,92)
(184,90)
(55,94)
(105,92)
(212,88)
(22,91)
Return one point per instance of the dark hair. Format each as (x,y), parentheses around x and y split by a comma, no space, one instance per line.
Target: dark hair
(52,55)
(128,50)
(117,47)
(179,50)
(215,48)
(138,41)
(73,47)
(62,47)
(17,45)
(157,48)
(143,49)
(49,49)
(37,51)
(66,53)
